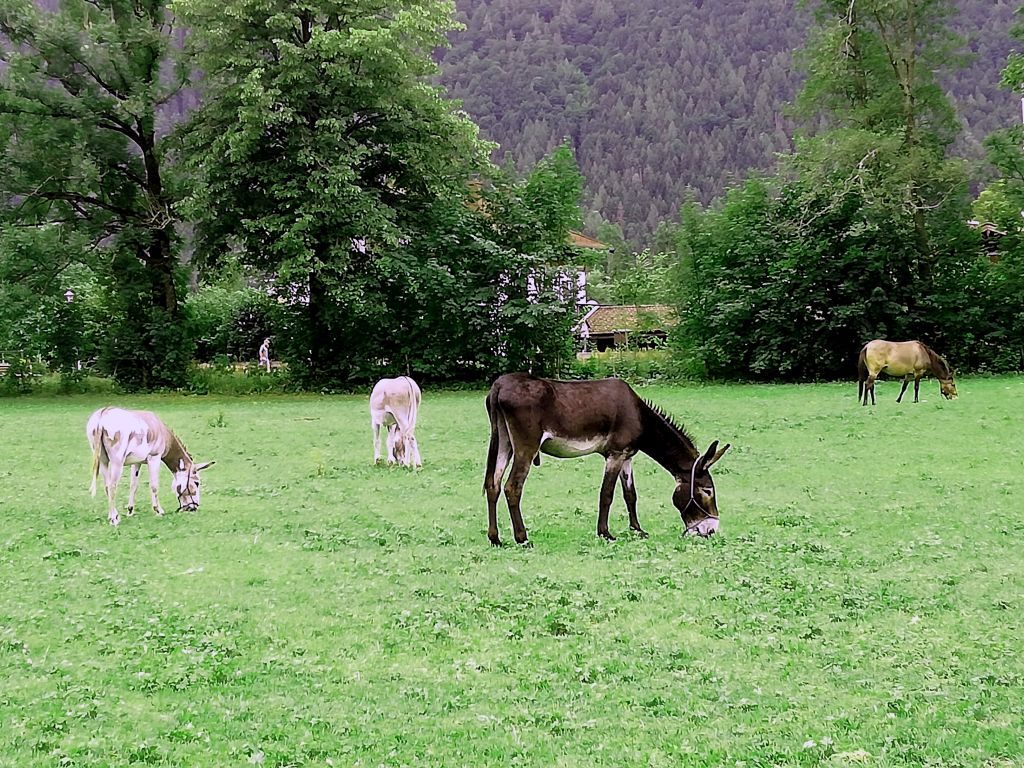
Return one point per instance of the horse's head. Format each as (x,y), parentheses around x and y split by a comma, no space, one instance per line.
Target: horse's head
(186,484)
(694,495)
(948,388)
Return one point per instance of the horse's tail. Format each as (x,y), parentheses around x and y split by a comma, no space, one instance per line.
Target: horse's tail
(862,371)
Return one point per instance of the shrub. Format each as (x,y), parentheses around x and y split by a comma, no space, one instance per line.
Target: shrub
(236,380)
(635,366)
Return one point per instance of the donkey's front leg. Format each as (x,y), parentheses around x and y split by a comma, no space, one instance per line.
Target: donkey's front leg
(514,494)
(132,488)
(612,468)
(413,450)
(392,438)
(629,496)
(154,478)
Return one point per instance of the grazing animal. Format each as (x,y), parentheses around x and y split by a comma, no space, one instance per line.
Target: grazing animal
(567,419)
(394,404)
(264,354)
(119,437)
(909,359)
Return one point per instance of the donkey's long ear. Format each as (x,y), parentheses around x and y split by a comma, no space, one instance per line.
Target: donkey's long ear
(718,454)
(706,460)
(204,465)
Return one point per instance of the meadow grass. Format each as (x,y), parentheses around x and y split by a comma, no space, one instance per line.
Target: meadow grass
(861,606)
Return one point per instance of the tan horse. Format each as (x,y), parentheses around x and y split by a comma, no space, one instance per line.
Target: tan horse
(909,359)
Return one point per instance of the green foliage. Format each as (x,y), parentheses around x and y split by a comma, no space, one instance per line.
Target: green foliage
(1001,205)
(84,165)
(865,236)
(640,367)
(21,377)
(775,293)
(210,379)
(144,345)
(230,321)
(366,194)
(320,153)
(649,279)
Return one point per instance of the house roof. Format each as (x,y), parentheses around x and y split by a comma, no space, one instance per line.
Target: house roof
(634,317)
(986,227)
(582,241)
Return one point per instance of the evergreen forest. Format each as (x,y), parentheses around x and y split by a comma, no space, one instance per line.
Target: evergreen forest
(670,102)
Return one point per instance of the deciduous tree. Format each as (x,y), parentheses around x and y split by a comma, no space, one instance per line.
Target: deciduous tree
(81,151)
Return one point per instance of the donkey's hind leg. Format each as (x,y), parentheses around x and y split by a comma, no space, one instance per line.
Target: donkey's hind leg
(612,472)
(906,381)
(498,454)
(917,387)
(629,496)
(521,460)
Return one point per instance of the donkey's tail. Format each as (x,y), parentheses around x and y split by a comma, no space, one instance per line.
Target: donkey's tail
(862,371)
(414,405)
(494,416)
(98,449)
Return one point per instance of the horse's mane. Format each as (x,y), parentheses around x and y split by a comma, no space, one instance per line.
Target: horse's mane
(671,423)
(939,366)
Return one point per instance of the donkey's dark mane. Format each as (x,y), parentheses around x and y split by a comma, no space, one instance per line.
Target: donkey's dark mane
(671,422)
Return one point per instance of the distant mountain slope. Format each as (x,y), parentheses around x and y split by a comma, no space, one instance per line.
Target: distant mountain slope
(664,100)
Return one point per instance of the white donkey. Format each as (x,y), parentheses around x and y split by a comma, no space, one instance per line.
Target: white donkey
(394,404)
(118,437)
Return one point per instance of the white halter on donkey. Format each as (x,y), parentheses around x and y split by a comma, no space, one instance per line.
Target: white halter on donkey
(119,437)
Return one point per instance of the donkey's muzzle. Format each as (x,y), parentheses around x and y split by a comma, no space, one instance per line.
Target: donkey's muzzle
(190,507)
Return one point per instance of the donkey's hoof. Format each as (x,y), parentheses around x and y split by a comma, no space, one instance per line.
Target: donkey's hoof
(640,533)
(606,535)
(525,544)
(115,520)
(129,512)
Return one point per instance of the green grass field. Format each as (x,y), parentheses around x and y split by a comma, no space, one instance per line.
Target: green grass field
(862,605)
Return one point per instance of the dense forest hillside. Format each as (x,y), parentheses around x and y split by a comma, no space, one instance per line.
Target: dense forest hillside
(664,101)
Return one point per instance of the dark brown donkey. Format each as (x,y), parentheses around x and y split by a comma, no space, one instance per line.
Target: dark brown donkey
(566,419)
